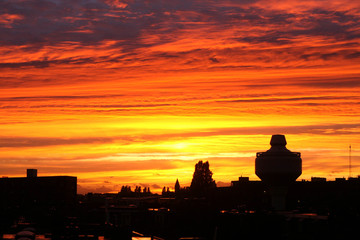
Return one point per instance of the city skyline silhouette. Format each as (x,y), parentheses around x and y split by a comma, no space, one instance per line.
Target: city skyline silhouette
(136,92)
(151,119)
(36,207)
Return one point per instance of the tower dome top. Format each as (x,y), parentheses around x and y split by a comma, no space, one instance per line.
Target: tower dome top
(278,140)
(278,164)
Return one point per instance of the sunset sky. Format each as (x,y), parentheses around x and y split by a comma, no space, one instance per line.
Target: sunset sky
(136,92)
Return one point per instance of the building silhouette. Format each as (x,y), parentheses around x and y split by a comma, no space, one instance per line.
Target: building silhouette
(278,167)
(37,198)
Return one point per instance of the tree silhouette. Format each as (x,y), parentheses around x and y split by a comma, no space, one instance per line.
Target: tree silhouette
(202,178)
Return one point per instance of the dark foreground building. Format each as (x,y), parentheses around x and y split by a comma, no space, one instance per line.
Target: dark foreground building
(36,198)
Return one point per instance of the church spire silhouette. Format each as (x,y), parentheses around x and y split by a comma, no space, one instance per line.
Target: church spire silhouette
(177,186)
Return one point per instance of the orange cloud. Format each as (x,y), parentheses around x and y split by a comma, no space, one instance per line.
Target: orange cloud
(8,19)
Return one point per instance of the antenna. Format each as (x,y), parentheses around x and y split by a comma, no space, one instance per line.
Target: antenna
(349,161)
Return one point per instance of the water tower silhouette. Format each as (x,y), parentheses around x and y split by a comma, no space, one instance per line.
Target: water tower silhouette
(278,167)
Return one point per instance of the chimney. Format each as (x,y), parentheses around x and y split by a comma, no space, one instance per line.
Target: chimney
(31,173)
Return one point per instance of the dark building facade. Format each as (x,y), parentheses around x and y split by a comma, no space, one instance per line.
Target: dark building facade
(33,196)
(309,196)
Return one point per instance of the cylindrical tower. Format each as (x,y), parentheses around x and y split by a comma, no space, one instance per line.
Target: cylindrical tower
(278,168)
